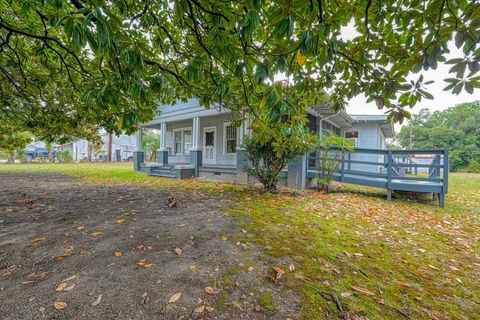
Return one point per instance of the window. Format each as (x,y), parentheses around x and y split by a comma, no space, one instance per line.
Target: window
(230,138)
(187,140)
(178,142)
(182,140)
(352,135)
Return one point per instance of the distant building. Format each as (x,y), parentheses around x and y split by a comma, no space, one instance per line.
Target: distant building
(122,148)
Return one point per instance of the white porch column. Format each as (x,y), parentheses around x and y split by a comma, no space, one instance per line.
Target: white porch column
(196,134)
(196,151)
(138,155)
(162,153)
(139,146)
(163,137)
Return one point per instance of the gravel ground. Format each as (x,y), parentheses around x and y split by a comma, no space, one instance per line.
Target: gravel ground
(120,252)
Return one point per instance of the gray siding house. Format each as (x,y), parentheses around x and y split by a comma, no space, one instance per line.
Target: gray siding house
(200,142)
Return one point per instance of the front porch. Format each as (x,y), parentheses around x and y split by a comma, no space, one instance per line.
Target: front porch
(202,144)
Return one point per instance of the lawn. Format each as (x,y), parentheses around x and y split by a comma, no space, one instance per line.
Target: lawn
(383,260)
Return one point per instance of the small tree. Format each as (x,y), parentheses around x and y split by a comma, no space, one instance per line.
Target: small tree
(473,167)
(67,156)
(49,147)
(13,142)
(331,149)
(279,134)
(151,143)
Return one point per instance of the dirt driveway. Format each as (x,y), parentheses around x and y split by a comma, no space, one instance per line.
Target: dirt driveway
(120,252)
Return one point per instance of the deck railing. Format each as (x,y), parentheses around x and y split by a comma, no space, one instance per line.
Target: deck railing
(389,169)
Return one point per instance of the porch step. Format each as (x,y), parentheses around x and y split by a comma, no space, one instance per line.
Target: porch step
(165,172)
(163,175)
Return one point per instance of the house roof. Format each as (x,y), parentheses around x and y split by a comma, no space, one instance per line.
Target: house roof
(386,126)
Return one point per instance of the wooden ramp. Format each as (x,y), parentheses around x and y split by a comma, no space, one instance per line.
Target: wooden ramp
(391,170)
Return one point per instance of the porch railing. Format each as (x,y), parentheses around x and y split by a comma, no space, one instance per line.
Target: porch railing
(389,169)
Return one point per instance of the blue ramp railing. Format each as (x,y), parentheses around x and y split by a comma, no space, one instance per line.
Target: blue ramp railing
(406,170)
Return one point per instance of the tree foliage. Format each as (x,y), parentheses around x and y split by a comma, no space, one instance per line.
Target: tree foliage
(151,143)
(278,135)
(456,128)
(71,66)
(13,142)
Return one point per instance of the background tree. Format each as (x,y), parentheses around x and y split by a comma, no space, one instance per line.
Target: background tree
(456,128)
(13,142)
(108,63)
(151,143)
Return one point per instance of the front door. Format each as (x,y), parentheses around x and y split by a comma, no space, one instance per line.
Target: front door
(209,137)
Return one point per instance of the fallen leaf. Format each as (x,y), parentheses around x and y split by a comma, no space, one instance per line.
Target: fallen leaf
(37,240)
(224,238)
(209,290)
(120,221)
(193,267)
(70,278)
(178,251)
(363,291)
(69,287)
(404,284)
(279,272)
(80,228)
(199,309)
(291,268)
(6,273)
(117,253)
(95,234)
(209,309)
(60,305)
(61,286)
(175,297)
(148,265)
(97,302)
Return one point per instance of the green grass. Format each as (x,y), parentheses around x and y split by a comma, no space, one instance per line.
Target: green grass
(414,257)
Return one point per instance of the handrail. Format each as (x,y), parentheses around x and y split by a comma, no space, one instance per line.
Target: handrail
(370,171)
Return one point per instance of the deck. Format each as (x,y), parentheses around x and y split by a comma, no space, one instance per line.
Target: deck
(391,170)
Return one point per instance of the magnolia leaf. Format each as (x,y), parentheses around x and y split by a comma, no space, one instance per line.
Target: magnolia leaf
(300,58)
(175,297)
(60,305)
(199,309)
(209,290)
(362,291)
(97,301)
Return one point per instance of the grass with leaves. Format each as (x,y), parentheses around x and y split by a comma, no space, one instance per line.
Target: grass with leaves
(384,260)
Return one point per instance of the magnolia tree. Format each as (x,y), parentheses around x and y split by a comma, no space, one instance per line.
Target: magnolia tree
(66,65)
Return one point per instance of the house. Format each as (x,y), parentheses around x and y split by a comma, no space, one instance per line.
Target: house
(122,148)
(195,141)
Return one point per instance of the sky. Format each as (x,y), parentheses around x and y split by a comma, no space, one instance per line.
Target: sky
(442,99)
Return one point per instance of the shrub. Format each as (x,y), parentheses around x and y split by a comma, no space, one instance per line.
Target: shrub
(41,157)
(473,166)
(268,157)
(67,157)
(331,149)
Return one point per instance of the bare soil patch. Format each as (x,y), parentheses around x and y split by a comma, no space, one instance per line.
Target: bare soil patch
(64,240)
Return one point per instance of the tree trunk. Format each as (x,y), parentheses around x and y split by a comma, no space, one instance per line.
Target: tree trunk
(109,154)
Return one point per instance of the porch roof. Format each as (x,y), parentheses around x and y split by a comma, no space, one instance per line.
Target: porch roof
(325,110)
